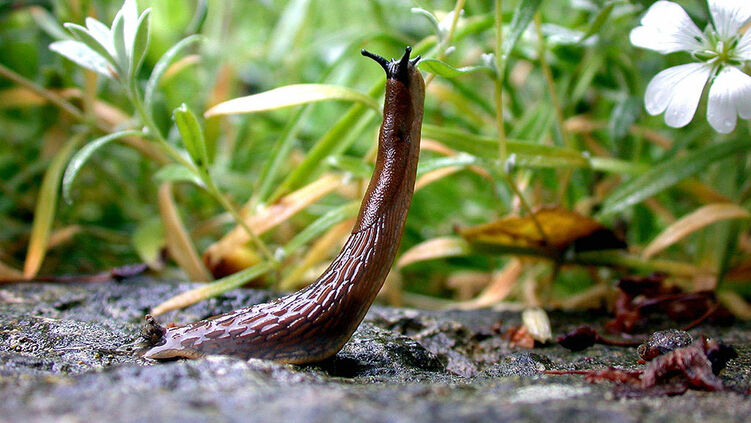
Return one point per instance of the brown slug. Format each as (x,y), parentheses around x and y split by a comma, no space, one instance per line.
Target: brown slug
(314,323)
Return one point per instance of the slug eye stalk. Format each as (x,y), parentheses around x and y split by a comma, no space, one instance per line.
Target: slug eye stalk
(395,69)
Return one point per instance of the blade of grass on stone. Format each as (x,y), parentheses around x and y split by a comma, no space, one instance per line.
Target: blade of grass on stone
(287,96)
(84,154)
(667,174)
(692,222)
(162,65)
(44,212)
(213,289)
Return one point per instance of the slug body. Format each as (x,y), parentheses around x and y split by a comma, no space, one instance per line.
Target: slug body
(314,323)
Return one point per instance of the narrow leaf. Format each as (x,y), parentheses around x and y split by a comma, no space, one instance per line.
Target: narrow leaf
(84,36)
(82,55)
(140,42)
(162,65)
(84,154)
(291,95)
(445,70)
(175,172)
(692,222)
(192,136)
(118,41)
(522,17)
(44,212)
(667,174)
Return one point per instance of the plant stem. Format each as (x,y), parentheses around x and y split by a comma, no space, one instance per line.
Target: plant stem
(441,54)
(500,69)
(211,187)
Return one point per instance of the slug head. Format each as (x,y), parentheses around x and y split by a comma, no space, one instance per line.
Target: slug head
(395,69)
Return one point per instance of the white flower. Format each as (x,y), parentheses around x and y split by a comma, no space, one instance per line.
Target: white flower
(721,52)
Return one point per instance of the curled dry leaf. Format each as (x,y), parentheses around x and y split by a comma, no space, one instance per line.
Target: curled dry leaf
(561,229)
(692,222)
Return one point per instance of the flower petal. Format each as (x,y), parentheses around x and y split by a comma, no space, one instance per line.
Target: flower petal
(677,91)
(729,16)
(666,28)
(729,96)
(743,49)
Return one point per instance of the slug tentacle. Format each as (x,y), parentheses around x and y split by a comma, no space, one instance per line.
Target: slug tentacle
(315,322)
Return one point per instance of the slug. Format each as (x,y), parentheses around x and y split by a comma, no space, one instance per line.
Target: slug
(314,323)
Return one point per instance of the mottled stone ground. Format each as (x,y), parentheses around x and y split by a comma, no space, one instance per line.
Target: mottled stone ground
(59,362)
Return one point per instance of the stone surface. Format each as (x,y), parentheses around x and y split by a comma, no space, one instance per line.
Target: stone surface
(59,361)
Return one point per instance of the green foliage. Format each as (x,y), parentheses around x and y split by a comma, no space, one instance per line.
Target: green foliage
(304,103)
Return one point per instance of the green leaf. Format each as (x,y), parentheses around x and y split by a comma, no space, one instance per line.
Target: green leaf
(287,29)
(84,56)
(192,136)
(140,42)
(118,41)
(321,225)
(624,114)
(84,36)
(83,155)
(667,174)
(462,159)
(287,96)
(129,13)
(44,211)
(522,17)
(432,19)
(175,172)
(352,165)
(445,70)
(162,65)
(527,154)
(600,19)
(148,240)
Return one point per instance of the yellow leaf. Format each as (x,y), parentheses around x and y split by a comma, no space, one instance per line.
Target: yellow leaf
(549,227)
(692,222)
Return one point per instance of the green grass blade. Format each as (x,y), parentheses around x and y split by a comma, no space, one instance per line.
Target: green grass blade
(288,96)
(44,212)
(667,174)
(83,155)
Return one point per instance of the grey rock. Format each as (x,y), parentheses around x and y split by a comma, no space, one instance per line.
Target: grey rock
(60,360)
